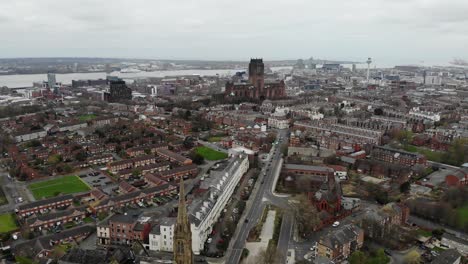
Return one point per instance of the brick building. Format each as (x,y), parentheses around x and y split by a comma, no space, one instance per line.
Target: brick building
(397,156)
(341,243)
(124,229)
(256,87)
(42,205)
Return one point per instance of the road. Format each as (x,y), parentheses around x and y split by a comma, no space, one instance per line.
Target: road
(12,190)
(443,165)
(262,195)
(285,236)
(431,225)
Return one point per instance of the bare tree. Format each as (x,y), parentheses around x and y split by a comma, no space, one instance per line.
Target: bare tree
(413,257)
(268,256)
(306,215)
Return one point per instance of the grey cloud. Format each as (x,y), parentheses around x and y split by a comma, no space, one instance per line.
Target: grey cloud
(213,28)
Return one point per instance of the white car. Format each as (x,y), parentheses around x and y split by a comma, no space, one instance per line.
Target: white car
(335,224)
(209,240)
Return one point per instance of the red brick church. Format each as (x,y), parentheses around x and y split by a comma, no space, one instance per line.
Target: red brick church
(256,87)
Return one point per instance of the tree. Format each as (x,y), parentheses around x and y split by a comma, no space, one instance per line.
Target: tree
(268,256)
(54,159)
(379,257)
(33,143)
(358,257)
(306,215)
(81,156)
(404,136)
(405,187)
(187,115)
(197,158)
(438,233)
(136,172)
(413,257)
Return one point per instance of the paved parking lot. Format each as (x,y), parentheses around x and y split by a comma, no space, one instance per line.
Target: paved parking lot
(438,177)
(96,179)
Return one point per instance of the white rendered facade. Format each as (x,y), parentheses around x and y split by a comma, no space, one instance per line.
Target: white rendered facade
(204,214)
(425,115)
(161,237)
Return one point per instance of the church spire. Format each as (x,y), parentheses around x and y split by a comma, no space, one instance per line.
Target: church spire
(182,234)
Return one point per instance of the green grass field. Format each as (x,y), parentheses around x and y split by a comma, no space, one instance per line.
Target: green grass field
(214,139)
(462,213)
(424,233)
(7,223)
(211,154)
(63,185)
(436,156)
(89,117)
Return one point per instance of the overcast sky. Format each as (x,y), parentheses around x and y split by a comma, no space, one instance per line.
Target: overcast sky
(390,31)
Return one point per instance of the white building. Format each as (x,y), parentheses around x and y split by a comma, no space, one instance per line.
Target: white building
(435,117)
(30,135)
(279,122)
(160,237)
(203,213)
(103,234)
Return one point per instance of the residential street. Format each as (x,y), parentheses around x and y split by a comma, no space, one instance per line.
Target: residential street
(262,195)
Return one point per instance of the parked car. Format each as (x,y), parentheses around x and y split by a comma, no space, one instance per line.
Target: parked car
(335,224)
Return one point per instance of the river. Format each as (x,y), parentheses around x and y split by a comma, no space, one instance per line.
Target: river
(26,80)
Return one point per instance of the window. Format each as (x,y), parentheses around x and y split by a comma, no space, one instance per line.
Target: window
(180,247)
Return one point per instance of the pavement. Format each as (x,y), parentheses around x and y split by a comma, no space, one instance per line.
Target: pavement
(260,197)
(267,233)
(284,239)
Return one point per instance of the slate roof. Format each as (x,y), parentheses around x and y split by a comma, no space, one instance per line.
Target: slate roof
(45,202)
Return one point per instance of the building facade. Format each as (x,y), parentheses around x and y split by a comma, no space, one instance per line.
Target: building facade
(256,87)
(118,91)
(205,212)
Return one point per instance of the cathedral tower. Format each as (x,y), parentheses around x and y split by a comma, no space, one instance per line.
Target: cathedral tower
(257,73)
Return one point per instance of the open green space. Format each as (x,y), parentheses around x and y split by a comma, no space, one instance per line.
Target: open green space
(211,154)
(462,214)
(88,117)
(3,199)
(436,156)
(214,139)
(54,187)
(7,223)
(24,260)
(424,233)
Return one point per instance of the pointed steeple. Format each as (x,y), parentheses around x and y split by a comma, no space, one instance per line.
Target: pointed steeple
(182,219)
(182,234)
